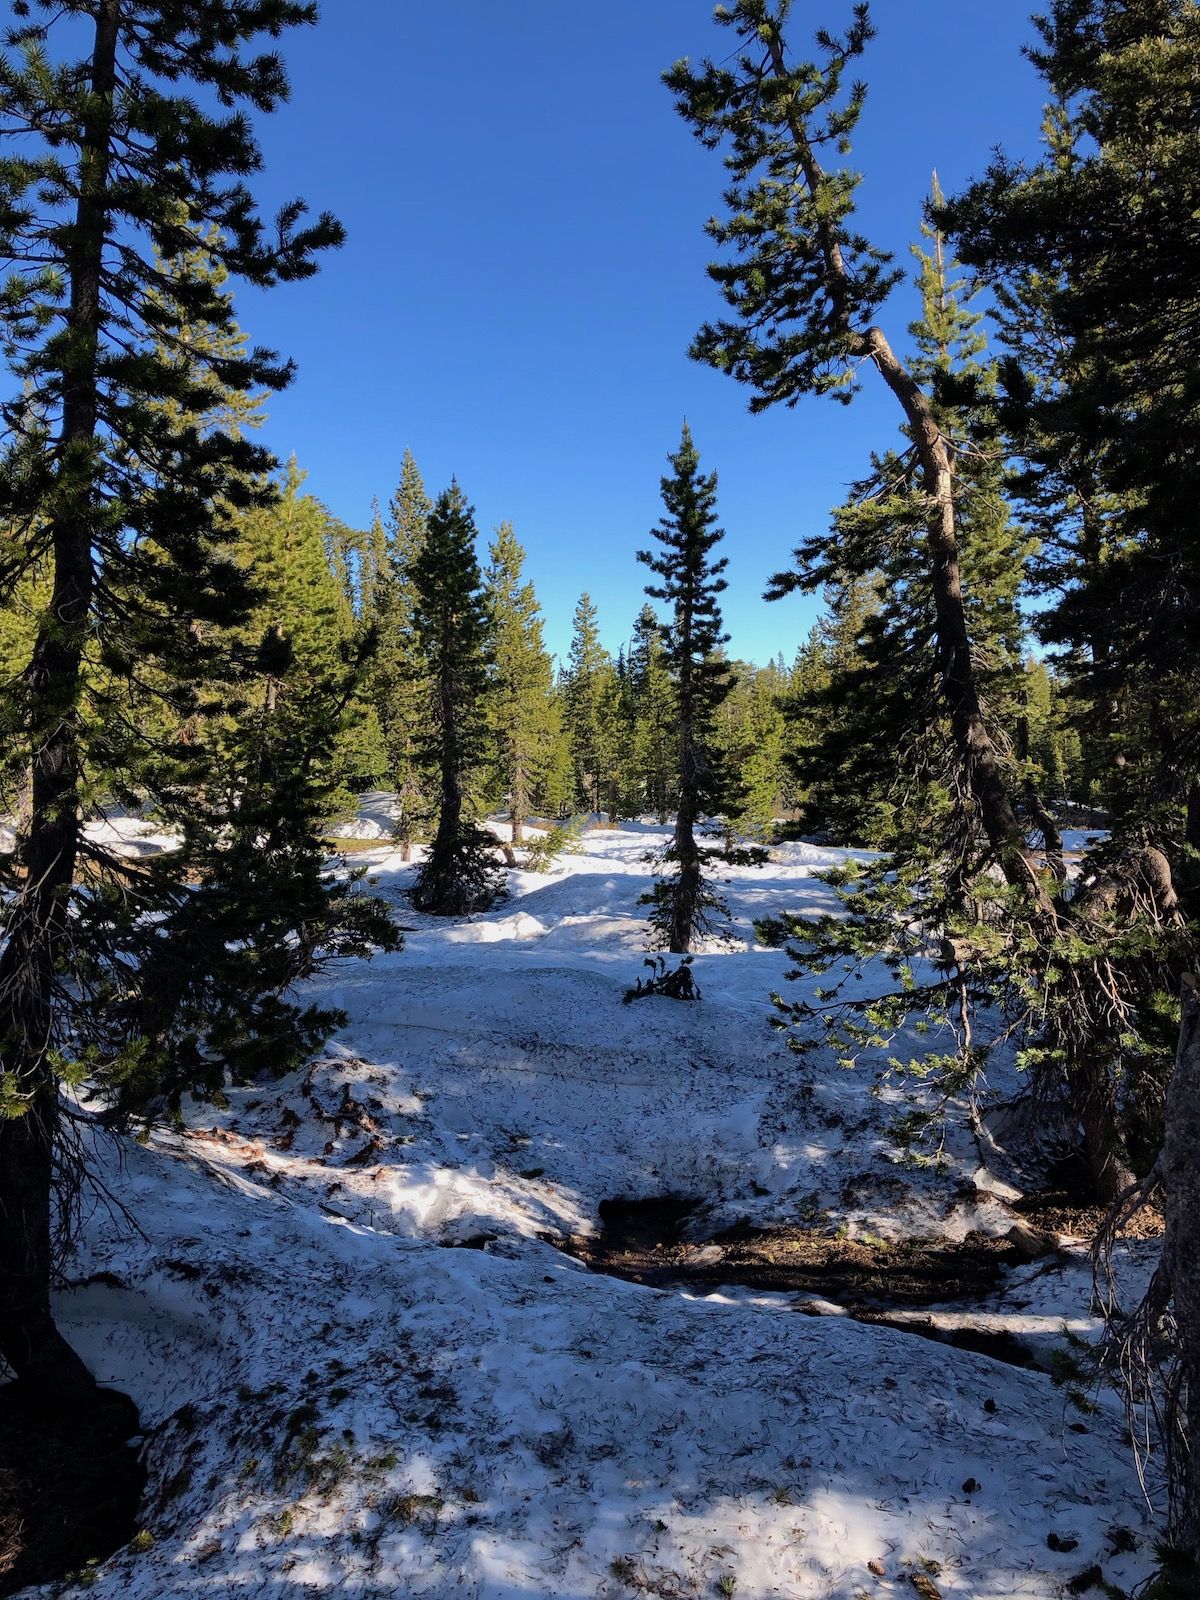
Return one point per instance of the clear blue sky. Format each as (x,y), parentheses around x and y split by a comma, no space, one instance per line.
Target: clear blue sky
(525,270)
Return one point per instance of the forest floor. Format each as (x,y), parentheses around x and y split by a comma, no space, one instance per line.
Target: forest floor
(499,1297)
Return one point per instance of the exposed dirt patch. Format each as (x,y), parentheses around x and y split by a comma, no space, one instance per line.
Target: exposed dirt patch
(867,1281)
(1068,1205)
(641,1241)
(1060,1211)
(70,1484)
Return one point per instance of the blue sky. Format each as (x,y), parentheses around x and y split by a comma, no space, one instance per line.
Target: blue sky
(525,270)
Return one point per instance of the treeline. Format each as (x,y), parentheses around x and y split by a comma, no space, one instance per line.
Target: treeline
(597,733)
(806,746)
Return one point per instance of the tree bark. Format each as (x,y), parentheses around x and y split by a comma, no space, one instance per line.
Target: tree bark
(1189,891)
(37,924)
(1094,1102)
(519,802)
(1180,1170)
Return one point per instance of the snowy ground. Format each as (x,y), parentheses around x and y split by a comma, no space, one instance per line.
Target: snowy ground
(365,1369)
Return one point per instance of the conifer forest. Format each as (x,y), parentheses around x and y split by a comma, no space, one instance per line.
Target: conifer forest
(504,1095)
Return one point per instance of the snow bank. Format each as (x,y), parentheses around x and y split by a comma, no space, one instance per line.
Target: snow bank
(366,1369)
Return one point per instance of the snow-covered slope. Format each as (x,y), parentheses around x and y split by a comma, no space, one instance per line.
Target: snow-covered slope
(366,1369)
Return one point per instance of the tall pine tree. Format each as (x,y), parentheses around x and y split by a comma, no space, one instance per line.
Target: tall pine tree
(520,699)
(805,289)
(591,695)
(460,873)
(685,906)
(1108,429)
(402,689)
(124,501)
(650,757)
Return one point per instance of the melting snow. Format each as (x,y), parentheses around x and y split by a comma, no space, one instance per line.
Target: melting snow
(365,1369)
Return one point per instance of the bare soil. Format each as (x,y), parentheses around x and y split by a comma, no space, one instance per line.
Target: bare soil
(866,1280)
(641,1241)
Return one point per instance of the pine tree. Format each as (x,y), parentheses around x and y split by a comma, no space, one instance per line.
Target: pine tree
(650,762)
(125,501)
(460,874)
(402,690)
(555,793)
(1108,428)
(282,548)
(1101,401)
(845,781)
(374,568)
(592,694)
(751,737)
(520,711)
(805,290)
(304,623)
(877,732)
(685,906)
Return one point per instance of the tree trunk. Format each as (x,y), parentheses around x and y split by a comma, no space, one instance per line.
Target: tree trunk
(519,803)
(1180,1167)
(29,1342)
(978,754)
(37,923)
(688,885)
(439,862)
(1094,1102)
(1189,872)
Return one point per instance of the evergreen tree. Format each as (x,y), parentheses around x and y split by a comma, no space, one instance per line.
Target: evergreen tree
(555,793)
(124,500)
(304,624)
(592,694)
(877,736)
(844,782)
(650,762)
(402,688)
(373,568)
(751,734)
(1101,397)
(685,906)
(805,290)
(1104,409)
(282,547)
(460,874)
(520,700)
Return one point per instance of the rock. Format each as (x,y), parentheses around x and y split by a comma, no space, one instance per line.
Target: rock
(705,1256)
(1031,1244)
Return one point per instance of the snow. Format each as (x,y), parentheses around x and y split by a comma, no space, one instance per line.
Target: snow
(375,819)
(1079,840)
(365,1367)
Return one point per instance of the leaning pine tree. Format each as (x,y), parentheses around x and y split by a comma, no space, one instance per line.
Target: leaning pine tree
(685,904)
(460,874)
(1105,411)
(115,491)
(972,918)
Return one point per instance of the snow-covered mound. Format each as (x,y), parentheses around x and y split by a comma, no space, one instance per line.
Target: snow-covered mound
(367,1370)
